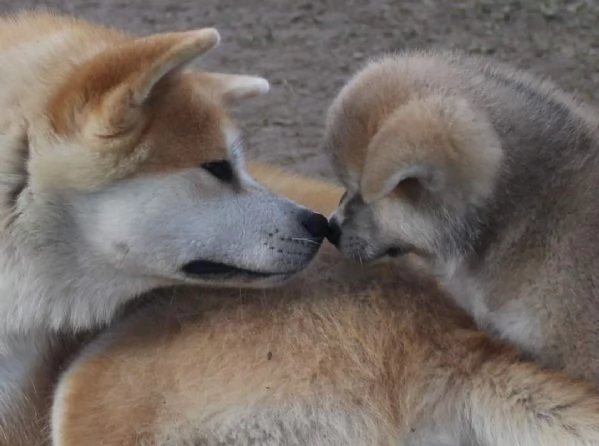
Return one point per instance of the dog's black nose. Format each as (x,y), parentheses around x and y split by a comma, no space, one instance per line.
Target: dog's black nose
(334,234)
(316,224)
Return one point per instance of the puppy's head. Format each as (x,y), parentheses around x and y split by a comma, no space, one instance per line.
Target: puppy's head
(414,163)
(136,171)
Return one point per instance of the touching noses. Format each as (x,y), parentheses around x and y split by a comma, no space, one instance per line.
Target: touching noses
(316,224)
(334,234)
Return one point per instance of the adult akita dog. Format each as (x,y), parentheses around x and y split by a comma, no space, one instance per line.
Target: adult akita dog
(490,176)
(342,355)
(120,173)
(123,173)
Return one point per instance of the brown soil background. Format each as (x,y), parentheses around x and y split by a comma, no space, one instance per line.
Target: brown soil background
(308,49)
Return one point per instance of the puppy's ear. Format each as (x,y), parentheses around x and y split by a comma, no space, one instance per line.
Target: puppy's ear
(232,88)
(105,98)
(436,142)
(386,173)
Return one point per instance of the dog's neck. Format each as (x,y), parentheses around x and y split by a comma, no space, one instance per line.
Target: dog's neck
(42,297)
(57,290)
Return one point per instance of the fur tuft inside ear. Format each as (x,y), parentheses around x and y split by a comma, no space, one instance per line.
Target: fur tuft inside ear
(232,88)
(440,142)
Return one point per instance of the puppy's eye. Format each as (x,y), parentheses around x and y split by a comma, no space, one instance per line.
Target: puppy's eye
(220,169)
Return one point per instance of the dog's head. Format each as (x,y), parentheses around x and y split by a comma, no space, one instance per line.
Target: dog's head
(135,174)
(414,161)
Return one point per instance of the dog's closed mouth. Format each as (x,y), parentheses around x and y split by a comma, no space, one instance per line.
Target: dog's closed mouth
(208,268)
(396,252)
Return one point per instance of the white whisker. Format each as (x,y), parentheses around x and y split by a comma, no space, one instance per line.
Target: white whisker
(300,239)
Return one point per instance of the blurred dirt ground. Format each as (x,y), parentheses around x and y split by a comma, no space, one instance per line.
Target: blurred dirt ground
(307,49)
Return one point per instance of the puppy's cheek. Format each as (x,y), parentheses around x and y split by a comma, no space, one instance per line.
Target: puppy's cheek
(354,247)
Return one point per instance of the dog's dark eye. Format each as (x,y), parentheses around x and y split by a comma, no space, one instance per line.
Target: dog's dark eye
(220,169)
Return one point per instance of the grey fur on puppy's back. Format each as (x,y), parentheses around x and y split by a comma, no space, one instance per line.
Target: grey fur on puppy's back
(517,251)
(546,136)
(536,247)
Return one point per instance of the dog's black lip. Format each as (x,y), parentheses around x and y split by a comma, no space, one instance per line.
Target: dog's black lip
(396,251)
(208,268)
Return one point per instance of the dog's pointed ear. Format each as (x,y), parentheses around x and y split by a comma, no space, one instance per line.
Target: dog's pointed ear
(439,144)
(105,97)
(232,88)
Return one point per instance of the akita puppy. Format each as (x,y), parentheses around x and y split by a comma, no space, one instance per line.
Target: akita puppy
(121,172)
(342,355)
(488,175)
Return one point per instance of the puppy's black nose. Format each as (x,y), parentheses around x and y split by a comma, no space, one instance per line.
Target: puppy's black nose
(316,224)
(334,234)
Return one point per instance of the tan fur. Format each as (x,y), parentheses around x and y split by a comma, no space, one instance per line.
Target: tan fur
(344,354)
(388,107)
(34,26)
(108,89)
(433,131)
(319,195)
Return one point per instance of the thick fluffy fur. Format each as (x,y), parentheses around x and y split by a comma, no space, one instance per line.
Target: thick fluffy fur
(487,174)
(342,355)
(109,187)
